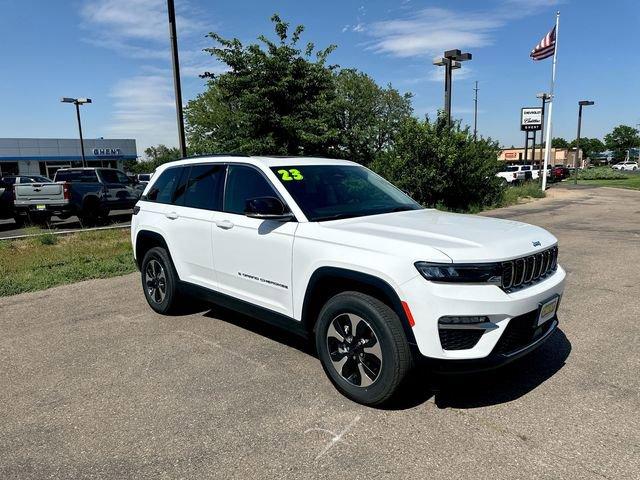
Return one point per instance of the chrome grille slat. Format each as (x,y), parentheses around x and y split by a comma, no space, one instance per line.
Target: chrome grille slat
(525,271)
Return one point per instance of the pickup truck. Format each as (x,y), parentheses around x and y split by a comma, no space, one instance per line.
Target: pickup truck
(89,193)
(515,174)
(8,185)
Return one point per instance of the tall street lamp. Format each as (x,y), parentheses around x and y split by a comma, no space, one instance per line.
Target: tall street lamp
(77,102)
(450,61)
(581,103)
(173,37)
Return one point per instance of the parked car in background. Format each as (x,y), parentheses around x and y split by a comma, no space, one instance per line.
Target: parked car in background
(6,200)
(8,186)
(628,165)
(94,192)
(559,173)
(144,177)
(513,174)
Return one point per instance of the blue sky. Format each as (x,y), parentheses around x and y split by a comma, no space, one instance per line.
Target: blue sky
(116,52)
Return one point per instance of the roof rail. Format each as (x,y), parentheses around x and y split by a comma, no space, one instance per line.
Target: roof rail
(202,155)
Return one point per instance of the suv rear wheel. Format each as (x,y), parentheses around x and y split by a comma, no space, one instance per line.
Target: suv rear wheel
(159,281)
(362,347)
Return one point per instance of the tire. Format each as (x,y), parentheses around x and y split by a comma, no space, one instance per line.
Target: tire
(380,357)
(160,281)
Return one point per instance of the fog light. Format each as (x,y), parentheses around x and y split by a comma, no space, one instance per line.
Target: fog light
(462,320)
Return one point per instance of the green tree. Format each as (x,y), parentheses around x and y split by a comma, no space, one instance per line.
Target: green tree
(559,142)
(275,99)
(154,157)
(438,165)
(622,138)
(367,116)
(589,146)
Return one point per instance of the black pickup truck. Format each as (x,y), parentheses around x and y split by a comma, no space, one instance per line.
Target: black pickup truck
(89,193)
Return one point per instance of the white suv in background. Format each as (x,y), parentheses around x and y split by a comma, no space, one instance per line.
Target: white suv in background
(331,251)
(629,165)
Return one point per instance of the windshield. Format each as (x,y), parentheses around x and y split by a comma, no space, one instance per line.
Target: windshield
(331,192)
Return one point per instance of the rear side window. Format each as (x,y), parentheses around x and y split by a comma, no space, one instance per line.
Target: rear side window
(67,176)
(88,176)
(204,187)
(244,183)
(113,176)
(162,189)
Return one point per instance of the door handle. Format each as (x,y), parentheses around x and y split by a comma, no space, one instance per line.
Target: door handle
(224,224)
(171,215)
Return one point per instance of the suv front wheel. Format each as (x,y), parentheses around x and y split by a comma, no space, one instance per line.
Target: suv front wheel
(362,347)
(159,281)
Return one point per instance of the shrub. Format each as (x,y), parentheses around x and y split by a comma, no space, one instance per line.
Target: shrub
(601,173)
(443,166)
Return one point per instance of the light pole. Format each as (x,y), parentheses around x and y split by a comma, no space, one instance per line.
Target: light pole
(450,61)
(545,97)
(475,112)
(581,104)
(173,37)
(77,102)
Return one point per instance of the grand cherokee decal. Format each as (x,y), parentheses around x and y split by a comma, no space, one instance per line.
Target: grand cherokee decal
(262,280)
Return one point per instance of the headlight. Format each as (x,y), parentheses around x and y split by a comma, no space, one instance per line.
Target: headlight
(461,273)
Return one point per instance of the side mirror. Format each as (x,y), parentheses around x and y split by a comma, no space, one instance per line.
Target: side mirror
(266,208)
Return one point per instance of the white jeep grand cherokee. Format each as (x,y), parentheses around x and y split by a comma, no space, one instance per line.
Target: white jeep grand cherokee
(327,248)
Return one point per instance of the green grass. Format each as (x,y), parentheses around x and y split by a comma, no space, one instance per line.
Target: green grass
(519,193)
(47,260)
(630,181)
(602,173)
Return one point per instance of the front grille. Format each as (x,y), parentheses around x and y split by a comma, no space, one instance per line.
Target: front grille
(520,332)
(459,339)
(521,272)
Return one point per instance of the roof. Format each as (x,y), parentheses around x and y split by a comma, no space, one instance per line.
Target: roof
(265,161)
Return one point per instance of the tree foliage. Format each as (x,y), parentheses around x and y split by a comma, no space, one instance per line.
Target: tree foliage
(589,146)
(622,138)
(154,157)
(438,165)
(274,99)
(559,142)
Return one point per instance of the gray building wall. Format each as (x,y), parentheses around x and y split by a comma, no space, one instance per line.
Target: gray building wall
(42,155)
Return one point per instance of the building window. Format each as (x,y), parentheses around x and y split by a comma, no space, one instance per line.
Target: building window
(8,168)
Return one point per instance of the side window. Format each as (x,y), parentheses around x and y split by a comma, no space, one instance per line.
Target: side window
(244,183)
(67,176)
(88,176)
(162,189)
(114,176)
(204,187)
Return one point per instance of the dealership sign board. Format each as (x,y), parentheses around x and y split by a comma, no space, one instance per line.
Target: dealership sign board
(531,118)
(107,152)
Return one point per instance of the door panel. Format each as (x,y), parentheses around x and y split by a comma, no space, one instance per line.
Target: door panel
(252,256)
(253,260)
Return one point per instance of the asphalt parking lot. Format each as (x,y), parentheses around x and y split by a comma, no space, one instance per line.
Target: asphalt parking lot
(93,384)
(8,227)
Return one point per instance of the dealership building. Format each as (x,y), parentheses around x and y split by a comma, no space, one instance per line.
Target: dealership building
(43,156)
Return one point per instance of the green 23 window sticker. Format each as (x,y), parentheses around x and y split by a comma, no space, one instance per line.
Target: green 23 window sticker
(290,174)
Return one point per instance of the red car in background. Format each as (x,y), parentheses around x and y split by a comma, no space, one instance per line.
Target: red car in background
(559,173)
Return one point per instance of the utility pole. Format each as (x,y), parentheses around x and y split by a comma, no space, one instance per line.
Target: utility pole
(475,113)
(581,104)
(545,97)
(173,36)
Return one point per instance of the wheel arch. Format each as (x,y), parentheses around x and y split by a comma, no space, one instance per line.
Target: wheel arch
(146,240)
(326,282)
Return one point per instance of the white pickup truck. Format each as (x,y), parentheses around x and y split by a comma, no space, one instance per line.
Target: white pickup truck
(36,199)
(515,174)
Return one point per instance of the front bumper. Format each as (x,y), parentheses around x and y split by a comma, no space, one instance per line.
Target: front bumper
(430,301)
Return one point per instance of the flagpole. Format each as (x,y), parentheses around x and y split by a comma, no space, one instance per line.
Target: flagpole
(547,148)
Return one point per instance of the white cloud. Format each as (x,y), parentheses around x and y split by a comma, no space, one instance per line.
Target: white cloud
(144,109)
(137,28)
(430,31)
(436,74)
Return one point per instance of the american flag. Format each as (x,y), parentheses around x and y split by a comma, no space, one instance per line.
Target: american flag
(546,47)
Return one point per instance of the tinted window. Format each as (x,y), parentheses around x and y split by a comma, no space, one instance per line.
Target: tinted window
(244,183)
(203,189)
(113,176)
(144,177)
(329,192)
(162,189)
(88,176)
(512,169)
(9,180)
(38,179)
(67,176)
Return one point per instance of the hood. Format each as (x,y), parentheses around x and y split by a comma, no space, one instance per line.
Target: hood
(463,238)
